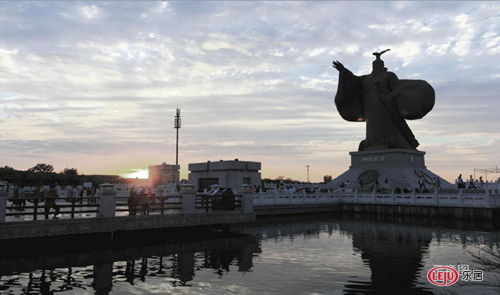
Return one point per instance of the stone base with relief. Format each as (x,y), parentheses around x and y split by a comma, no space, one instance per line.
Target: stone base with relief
(402,167)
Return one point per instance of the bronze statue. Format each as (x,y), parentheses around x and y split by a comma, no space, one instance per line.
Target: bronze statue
(384,102)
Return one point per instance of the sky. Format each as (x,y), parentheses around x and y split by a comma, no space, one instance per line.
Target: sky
(95,85)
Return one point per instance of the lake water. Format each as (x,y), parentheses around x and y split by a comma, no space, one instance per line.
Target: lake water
(300,255)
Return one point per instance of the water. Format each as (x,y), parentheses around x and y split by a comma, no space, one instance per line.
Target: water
(301,255)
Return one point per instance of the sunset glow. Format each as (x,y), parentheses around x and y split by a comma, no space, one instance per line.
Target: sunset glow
(96,87)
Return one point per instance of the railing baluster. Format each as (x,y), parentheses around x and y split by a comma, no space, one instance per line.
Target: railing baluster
(35,210)
(72,200)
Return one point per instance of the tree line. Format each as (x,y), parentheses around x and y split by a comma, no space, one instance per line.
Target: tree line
(44,174)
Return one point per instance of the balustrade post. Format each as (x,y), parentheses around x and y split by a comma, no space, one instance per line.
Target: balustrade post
(356,196)
(246,198)
(188,198)
(489,200)
(162,204)
(461,196)
(107,201)
(3,200)
(374,196)
(393,196)
(436,195)
(414,195)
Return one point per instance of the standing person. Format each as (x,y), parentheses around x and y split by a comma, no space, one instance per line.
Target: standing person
(93,195)
(421,184)
(438,182)
(81,193)
(386,182)
(50,202)
(21,192)
(84,194)
(228,199)
(143,197)
(460,181)
(132,202)
(342,187)
(15,196)
(471,182)
(150,196)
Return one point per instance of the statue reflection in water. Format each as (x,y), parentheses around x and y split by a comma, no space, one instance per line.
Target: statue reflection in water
(393,253)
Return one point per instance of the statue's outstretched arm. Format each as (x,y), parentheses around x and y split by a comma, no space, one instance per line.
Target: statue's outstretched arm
(337,65)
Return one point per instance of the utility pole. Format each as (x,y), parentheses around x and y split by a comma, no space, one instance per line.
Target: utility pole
(177,126)
(307,166)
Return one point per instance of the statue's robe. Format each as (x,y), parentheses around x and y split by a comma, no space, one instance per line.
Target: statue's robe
(384,102)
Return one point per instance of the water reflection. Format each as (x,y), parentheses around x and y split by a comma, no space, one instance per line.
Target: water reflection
(284,255)
(178,262)
(394,254)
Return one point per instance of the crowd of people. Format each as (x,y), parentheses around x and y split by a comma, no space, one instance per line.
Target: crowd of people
(471,183)
(20,195)
(142,198)
(385,187)
(424,184)
(221,198)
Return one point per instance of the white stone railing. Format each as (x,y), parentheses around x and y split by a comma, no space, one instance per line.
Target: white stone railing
(489,198)
(108,205)
(277,198)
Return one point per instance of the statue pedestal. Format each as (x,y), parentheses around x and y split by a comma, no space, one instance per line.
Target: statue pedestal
(403,168)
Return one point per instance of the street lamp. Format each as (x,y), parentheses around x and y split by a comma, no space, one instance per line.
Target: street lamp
(177,126)
(307,166)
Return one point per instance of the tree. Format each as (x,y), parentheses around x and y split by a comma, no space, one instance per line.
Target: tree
(7,170)
(10,174)
(70,171)
(42,168)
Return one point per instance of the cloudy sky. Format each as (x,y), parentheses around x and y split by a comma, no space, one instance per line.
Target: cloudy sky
(94,85)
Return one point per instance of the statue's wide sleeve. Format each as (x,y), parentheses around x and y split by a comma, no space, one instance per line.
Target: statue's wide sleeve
(414,98)
(349,97)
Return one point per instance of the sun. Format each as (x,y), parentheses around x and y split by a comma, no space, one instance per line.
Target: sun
(139,173)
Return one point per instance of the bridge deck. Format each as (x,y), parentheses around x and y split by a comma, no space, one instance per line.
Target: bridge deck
(50,227)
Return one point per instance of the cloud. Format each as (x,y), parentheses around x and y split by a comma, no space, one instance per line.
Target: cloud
(96,83)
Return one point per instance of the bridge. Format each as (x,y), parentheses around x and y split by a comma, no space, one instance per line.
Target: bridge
(459,203)
(110,213)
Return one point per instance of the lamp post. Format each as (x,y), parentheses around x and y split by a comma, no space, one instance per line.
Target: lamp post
(177,126)
(307,166)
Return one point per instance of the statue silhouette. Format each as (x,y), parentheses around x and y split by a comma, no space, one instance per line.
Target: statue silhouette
(384,102)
